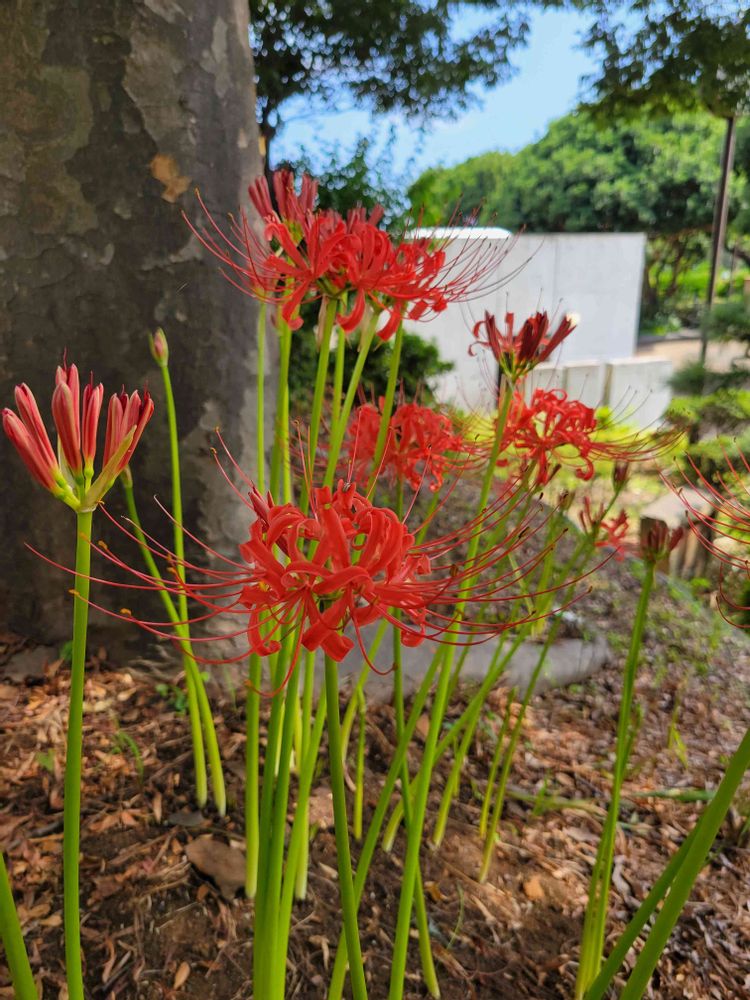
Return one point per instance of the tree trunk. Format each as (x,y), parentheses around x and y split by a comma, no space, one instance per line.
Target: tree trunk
(113,114)
(721,214)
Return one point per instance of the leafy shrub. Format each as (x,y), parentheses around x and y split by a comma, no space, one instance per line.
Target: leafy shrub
(694,379)
(420,365)
(729,321)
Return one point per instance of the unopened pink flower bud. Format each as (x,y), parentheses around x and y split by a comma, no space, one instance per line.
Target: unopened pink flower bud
(32,452)
(658,539)
(159,348)
(93,396)
(68,423)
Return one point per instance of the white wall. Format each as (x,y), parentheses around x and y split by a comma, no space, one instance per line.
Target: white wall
(596,275)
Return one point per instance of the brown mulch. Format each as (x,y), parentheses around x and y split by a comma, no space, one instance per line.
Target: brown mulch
(154,927)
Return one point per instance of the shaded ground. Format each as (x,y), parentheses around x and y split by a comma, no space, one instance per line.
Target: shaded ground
(155,928)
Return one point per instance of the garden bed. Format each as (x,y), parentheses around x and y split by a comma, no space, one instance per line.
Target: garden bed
(156,927)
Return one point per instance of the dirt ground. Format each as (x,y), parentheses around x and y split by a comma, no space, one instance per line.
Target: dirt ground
(155,927)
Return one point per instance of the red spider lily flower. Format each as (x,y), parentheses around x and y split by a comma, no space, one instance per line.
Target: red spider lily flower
(548,431)
(552,430)
(292,207)
(518,353)
(307,253)
(324,575)
(421,445)
(71,482)
(608,533)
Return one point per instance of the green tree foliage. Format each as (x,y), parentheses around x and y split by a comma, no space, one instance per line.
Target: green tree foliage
(647,174)
(361,176)
(408,55)
(473,188)
(665,54)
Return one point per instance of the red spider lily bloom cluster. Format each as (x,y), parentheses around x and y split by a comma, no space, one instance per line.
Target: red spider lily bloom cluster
(548,430)
(76,418)
(308,253)
(608,532)
(517,353)
(553,430)
(421,446)
(350,563)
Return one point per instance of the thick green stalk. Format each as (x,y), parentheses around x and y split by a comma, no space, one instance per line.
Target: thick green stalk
(420,907)
(297,850)
(341,821)
(689,870)
(280,460)
(359,770)
(72,800)
(189,665)
(300,890)
(252,775)
(260,402)
(351,708)
(515,735)
(454,779)
(338,378)
(338,430)
(24,987)
(495,765)
(275,858)
(338,974)
(416,826)
(592,942)
(324,352)
(191,669)
(641,917)
(385,416)
(414,834)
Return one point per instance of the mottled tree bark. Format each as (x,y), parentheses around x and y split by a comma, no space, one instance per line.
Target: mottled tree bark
(112,112)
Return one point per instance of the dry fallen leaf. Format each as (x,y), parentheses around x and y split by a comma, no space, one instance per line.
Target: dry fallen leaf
(181,975)
(220,862)
(534,888)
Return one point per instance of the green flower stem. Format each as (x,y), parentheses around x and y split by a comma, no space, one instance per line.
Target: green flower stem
(416,826)
(346,886)
(641,917)
(280,461)
(298,846)
(260,402)
(261,956)
(704,835)
(469,717)
(592,941)
(454,779)
(191,669)
(515,735)
(252,774)
(338,377)
(414,833)
(300,890)
(338,974)
(359,771)
(385,417)
(338,430)
(324,352)
(496,758)
(351,708)
(196,732)
(72,801)
(24,986)
(420,907)
(275,858)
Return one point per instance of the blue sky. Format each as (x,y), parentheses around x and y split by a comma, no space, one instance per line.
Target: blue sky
(546,85)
